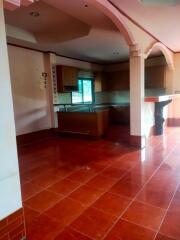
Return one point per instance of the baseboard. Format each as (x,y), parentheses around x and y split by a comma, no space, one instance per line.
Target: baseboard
(137,141)
(29,138)
(13,226)
(173,122)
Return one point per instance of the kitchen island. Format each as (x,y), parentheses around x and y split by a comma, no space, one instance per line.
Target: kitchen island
(92,124)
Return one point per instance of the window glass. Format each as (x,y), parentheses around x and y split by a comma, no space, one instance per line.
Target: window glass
(85,92)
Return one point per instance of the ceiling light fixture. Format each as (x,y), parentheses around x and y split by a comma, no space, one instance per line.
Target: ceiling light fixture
(115,53)
(86,4)
(34,14)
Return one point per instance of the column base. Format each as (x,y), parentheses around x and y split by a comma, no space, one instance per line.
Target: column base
(137,141)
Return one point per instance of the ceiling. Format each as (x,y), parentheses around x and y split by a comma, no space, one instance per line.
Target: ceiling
(72,30)
(162,21)
(79,31)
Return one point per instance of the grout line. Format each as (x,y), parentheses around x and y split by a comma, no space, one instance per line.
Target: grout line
(138,192)
(167,207)
(84,183)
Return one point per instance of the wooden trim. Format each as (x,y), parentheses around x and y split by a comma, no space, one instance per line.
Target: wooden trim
(137,141)
(138,25)
(29,138)
(41,51)
(173,122)
(13,226)
(24,47)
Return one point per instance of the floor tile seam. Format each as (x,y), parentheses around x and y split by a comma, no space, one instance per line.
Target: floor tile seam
(51,184)
(46,209)
(86,235)
(33,195)
(138,224)
(136,195)
(83,184)
(171,238)
(150,205)
(167,210)
(154,173)
(34,178)
(59,221)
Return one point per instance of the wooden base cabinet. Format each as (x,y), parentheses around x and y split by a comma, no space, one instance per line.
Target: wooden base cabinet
(87,123)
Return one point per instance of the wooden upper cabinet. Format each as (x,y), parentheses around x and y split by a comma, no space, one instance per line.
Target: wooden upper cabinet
(66,77)
(99,81)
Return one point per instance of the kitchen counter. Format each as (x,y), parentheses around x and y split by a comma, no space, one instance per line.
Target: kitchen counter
(161,98)
(84,123)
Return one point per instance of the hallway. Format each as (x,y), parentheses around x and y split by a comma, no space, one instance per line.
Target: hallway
(85,190)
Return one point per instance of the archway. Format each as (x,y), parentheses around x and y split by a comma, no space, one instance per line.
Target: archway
(111,12)
(166,52)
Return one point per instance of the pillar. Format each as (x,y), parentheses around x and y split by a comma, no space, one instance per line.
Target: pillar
(10,191)
(49,62)
(137,133)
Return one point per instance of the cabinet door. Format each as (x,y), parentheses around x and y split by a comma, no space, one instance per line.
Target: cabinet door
(69,76)
(59,78)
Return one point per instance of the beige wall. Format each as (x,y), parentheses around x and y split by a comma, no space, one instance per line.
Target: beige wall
(176,84)
(30,98)
(29,94)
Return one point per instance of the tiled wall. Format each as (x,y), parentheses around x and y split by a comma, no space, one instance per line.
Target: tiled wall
(13,226)
(118,97)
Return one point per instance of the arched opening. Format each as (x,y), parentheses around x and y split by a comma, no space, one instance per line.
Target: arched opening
(115,16)
(159,68)
(159,47)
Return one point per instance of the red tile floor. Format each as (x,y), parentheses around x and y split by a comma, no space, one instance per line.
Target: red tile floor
(85,189)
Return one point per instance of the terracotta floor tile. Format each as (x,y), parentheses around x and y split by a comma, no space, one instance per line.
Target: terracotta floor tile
(144,215)
(5,237)
(62,171)
(70,234)
(171,225)
(64,186)
(136,178)
(163,181)
(29,189)
(86,195)
(162,237)
(44,228)
(114,172)
(43,200)
(112,203)
(96,167)
(125,188)
(93,223)
(101,182)
(125,164)
(128,231)
(65,211)
(157,197)
(45,180)
(175,204)
(30,215)
(82,175)
(91,172)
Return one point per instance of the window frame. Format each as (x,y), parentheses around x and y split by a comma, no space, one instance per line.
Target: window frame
(92,87)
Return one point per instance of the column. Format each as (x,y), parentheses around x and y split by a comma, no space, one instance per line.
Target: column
(10,191)
(49,62)
(137,133)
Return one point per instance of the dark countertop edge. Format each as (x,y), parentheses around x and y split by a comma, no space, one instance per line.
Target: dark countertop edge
(92,104)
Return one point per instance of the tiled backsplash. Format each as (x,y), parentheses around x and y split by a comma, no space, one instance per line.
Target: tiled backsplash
(111,96)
